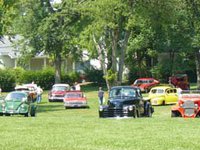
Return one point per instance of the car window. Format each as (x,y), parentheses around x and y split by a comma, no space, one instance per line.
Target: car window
(60,88)
(157,91)
(121,92)
(15,96)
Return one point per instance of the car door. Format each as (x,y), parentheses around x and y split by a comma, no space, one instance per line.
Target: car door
(171,96)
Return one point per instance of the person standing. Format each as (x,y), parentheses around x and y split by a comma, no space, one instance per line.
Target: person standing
(100,95)
(39,94)
(77,86)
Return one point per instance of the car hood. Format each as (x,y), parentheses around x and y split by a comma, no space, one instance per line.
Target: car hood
(121,102)
(12,105)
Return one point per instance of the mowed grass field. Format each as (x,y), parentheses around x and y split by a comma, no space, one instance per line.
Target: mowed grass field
(57,128)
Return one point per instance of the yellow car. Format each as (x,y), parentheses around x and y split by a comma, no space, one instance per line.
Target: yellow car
(162,95)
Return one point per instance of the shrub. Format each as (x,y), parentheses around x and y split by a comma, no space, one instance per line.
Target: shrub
(7,80)
(94,75)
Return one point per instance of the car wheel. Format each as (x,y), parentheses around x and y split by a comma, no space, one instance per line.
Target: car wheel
(7,114)
(163,103)
(173,114)
(26,114)
(1,114)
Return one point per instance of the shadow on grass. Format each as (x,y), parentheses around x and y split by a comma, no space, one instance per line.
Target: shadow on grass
(92,87)
(49,107)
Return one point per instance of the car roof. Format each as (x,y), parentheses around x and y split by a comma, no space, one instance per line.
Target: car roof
(145,79)
(21,87)
(60,84)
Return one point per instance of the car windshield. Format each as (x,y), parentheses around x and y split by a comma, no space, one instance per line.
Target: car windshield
(142,82)
(73,95)
(122,92)
(15,96)
(60,88)
(157,91)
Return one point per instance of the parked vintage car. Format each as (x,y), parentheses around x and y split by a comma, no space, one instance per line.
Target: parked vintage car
(75,99)
(145,84)
(17,102)
(31,89)
(180,81)
(188,105)
(125,101)
(162,95)
(58,92)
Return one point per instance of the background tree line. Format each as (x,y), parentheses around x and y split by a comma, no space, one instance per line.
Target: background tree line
(131,34)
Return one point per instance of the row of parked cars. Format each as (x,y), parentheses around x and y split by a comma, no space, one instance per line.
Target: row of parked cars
(71,97)
(123,101)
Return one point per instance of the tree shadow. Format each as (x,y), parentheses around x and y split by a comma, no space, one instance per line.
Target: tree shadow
(49,107)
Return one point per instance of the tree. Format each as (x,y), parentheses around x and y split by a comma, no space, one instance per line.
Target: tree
(48,28)
(5,19)
(109,31)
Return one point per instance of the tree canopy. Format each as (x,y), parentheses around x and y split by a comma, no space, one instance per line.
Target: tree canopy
(133,34)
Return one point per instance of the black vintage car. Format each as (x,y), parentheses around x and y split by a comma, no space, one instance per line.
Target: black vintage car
(126,101)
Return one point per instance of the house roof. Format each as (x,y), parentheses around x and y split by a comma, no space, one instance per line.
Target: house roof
(9,47)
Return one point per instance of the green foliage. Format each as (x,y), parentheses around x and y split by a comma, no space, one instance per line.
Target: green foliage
(111,77)
(94,75)
(70,77)
(7,80)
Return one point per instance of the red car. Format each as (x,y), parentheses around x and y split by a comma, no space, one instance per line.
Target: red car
(75,99)
(188,105)
(58,92)
(180,81)
(145,84)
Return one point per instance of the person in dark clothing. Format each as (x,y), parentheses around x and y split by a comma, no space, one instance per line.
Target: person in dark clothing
(100,95)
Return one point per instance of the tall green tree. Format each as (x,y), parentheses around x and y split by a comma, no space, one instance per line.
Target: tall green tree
(48,28)
(109,32)
(5,19)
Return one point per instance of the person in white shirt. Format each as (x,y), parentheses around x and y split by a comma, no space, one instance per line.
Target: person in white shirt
(77,87)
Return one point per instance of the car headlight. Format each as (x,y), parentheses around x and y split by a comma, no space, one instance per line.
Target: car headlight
(130,108)
(181,105)
(196,105)
(100,108)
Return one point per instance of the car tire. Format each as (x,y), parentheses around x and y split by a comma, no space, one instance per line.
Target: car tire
(173,114)
(1,114)
(26,114)
(163,103)
(50,100)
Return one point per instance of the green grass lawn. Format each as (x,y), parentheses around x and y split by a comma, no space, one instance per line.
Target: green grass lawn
(56,128)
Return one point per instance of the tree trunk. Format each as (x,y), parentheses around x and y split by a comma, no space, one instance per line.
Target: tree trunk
(115,36)
(102,58)
(197,60)
(122,57)
(58,68)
